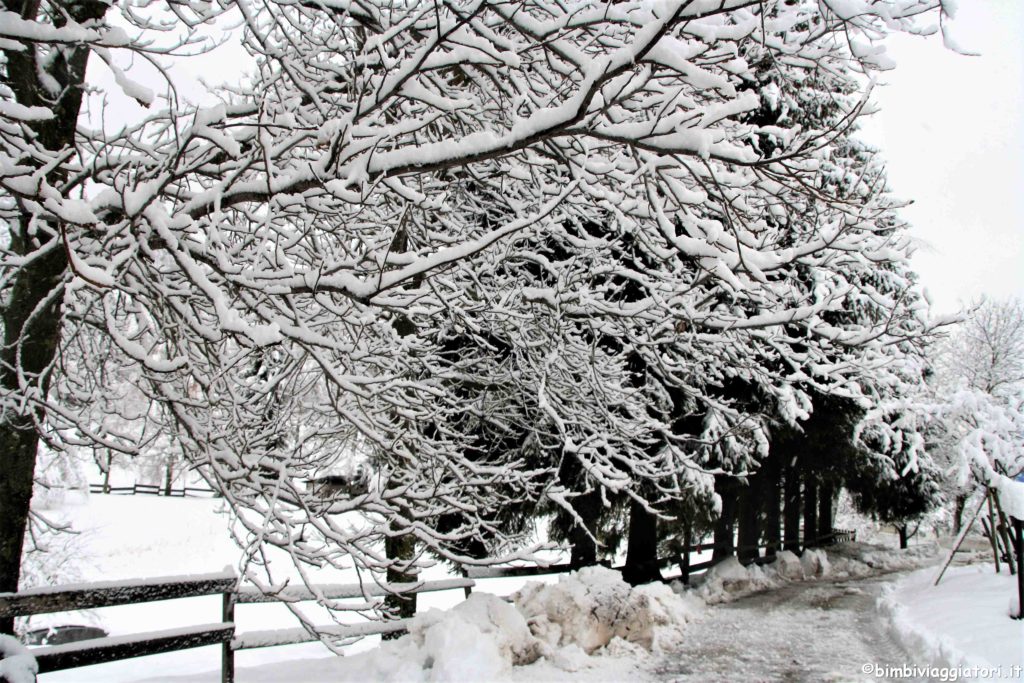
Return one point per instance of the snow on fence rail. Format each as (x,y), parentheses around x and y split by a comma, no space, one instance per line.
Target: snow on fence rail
(112,594)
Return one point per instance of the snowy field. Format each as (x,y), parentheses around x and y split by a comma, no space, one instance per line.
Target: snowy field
(546,636)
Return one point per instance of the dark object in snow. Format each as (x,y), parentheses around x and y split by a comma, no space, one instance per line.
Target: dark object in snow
(340,485)
(60,635)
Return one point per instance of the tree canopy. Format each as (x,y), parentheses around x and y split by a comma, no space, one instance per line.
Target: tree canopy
(464,241)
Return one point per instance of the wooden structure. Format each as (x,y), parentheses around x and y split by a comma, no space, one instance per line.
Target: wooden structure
(110,594)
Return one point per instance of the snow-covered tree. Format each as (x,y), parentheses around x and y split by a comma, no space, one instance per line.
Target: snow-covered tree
(985,352)
(274,266)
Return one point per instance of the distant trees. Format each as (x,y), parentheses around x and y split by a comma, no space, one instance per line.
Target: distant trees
(506,252)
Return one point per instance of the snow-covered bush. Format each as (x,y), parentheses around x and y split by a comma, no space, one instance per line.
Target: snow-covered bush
(17,665)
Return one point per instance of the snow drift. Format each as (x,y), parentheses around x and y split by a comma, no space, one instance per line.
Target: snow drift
(585,613)
(729,579)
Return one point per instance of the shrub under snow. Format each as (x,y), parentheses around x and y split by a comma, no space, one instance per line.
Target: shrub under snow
(17,665)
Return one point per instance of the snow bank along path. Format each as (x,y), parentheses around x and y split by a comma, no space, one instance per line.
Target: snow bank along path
(962,622)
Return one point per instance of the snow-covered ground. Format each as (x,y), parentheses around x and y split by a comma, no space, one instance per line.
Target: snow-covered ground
(589,627)
(963,623)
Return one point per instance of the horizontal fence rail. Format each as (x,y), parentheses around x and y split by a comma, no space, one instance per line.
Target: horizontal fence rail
(112,593)
(292,636)
(338,591)
(100,650)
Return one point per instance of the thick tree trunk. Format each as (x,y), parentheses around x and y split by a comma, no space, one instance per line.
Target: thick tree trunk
(30,342)
(749,518)
(825,499)
(642,552)
(31,314)
(791,512)
(810,513)
(400,548)
(725,487)
(902,530)
(772,495)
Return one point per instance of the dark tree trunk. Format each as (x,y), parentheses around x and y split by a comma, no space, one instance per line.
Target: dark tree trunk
(825,499)
(583,539)
(810,513)
(642,552)
(725,487)
(749,518)
(106,473)
(791,512)
(684,554)
(31,316)
(401,548)
(904,537)
(958,513)
(168,477)
(772,496)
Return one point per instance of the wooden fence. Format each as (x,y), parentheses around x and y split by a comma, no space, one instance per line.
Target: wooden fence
(154,490)
(681,560)
(223,632)
(111,594)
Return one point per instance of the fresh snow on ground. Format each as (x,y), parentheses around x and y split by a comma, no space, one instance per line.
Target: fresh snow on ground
(962,622)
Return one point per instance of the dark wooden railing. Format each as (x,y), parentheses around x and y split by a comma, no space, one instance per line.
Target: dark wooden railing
(681,560)
(154,490)
(112,594)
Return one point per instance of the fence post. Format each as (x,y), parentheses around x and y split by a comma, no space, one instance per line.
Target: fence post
(684,564)
(227,655)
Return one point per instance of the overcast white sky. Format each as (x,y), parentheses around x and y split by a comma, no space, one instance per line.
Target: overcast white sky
(952,131)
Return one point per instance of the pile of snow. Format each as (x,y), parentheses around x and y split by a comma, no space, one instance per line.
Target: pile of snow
(860,559)
(963,622)
(585,620)
(590,608)
(479,639)
(729,579)
(17,665)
